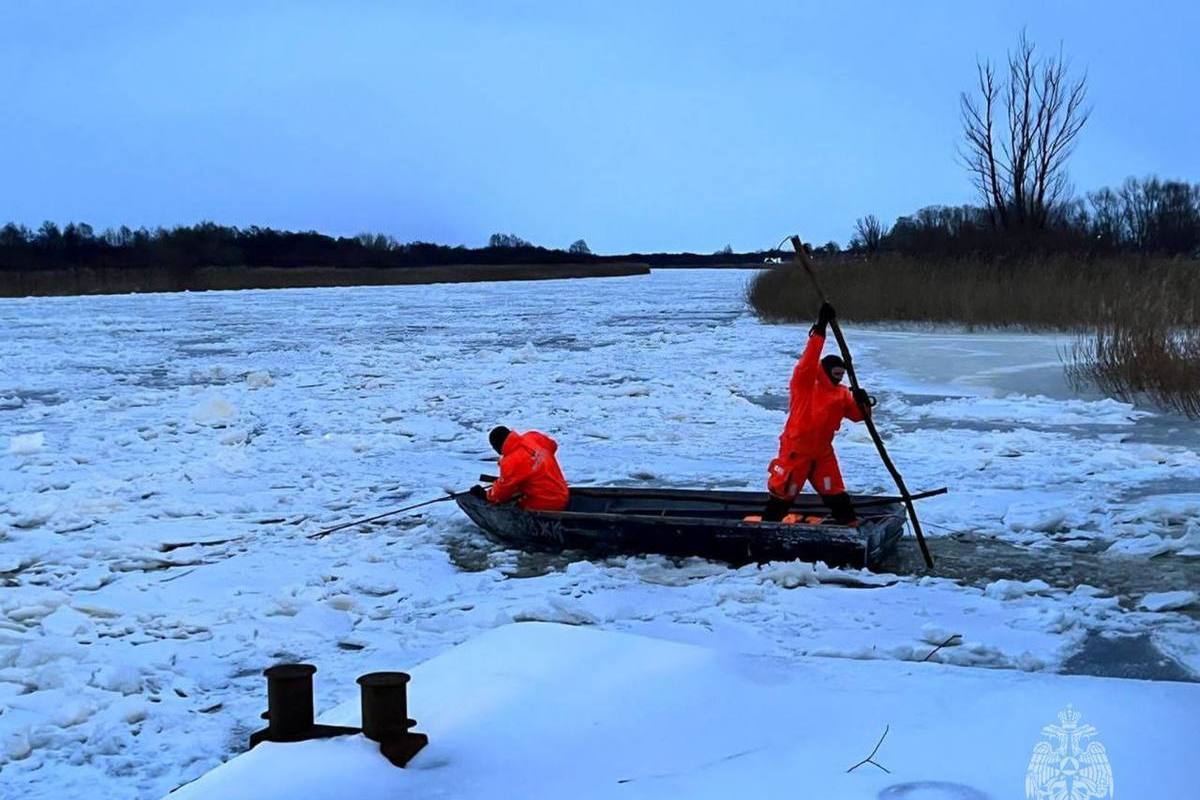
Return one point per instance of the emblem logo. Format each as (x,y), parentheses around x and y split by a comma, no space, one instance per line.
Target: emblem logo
(1069,764)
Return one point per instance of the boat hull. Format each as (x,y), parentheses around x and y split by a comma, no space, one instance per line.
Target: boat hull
(685,522)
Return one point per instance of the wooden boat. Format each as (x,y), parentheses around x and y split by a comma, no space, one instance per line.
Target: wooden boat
(689,522)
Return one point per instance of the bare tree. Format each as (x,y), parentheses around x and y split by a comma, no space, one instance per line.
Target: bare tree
(1018,133)
(868,234)
(579,247)
(1106,221)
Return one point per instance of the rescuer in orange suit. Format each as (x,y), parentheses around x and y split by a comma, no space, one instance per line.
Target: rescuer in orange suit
(817,406)
(528,471)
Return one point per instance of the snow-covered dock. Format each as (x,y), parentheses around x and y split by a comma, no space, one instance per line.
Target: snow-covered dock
(540,710)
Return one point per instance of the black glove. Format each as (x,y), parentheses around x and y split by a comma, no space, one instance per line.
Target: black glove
(478,491)
(862,398)
(824,317)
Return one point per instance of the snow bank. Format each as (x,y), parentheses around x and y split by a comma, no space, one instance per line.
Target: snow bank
(556,711)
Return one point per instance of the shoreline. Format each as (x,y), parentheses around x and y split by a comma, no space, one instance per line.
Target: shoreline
(107,281)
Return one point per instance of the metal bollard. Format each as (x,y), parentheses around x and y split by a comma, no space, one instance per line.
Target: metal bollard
(289,701)
(385,705)
(385,716)
(289,714)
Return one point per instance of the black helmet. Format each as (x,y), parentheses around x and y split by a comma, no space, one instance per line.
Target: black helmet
(828,363)
(497,437)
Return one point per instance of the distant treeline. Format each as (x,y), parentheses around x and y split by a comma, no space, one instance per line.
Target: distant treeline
(180,249)
(1143,216)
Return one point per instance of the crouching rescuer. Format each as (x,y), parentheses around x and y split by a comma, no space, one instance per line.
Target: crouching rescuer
(818,404)
(528,471)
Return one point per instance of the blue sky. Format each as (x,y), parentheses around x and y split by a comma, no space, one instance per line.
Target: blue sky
(636,126)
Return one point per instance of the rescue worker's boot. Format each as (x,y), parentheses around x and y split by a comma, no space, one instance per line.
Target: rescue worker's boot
(776,508)
(841,508)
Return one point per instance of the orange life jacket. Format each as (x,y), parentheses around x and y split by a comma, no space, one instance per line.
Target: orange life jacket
(528,468)
(817,406)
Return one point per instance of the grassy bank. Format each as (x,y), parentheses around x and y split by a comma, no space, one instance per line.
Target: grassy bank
(124,280)
(1137,319)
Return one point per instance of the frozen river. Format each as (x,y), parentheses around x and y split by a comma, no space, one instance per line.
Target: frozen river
(162,457)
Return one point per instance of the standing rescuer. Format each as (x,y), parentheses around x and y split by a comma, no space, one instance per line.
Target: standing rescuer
(528,471)
(816,409)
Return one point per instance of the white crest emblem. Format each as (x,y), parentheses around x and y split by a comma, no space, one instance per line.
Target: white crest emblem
(1066,766)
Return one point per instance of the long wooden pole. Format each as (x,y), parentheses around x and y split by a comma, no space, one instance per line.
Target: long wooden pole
(802,260)
(364,521)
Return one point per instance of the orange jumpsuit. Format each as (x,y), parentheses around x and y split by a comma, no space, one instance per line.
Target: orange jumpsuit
(528,468)
(816,409)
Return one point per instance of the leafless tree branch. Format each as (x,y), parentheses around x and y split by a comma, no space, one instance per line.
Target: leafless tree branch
(871,758)
(1021,172)
(929,655)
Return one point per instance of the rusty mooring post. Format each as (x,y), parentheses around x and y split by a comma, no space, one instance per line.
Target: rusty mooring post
(385,716)
(289,701)
(290,716)
(289,712)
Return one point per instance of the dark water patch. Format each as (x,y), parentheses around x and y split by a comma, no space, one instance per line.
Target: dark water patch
(45,397)
(1125,657)
(918,400)
(768,400)
(654,321)
(163,377)
(976,560)
(566,341)
(191,341)
(563,342)
(206,352)
(471,550)
(468,548)
(731,483)
(609,380)
(535,565)
(1164,430)
(153,378)
(1169,486)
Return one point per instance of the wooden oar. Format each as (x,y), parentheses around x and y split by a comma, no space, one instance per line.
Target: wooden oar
(802,260)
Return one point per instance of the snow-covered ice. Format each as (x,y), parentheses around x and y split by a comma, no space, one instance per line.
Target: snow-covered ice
(1168,601)
(169,452)
(26,443)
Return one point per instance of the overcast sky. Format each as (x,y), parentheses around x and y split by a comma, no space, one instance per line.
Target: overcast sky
(637,126)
